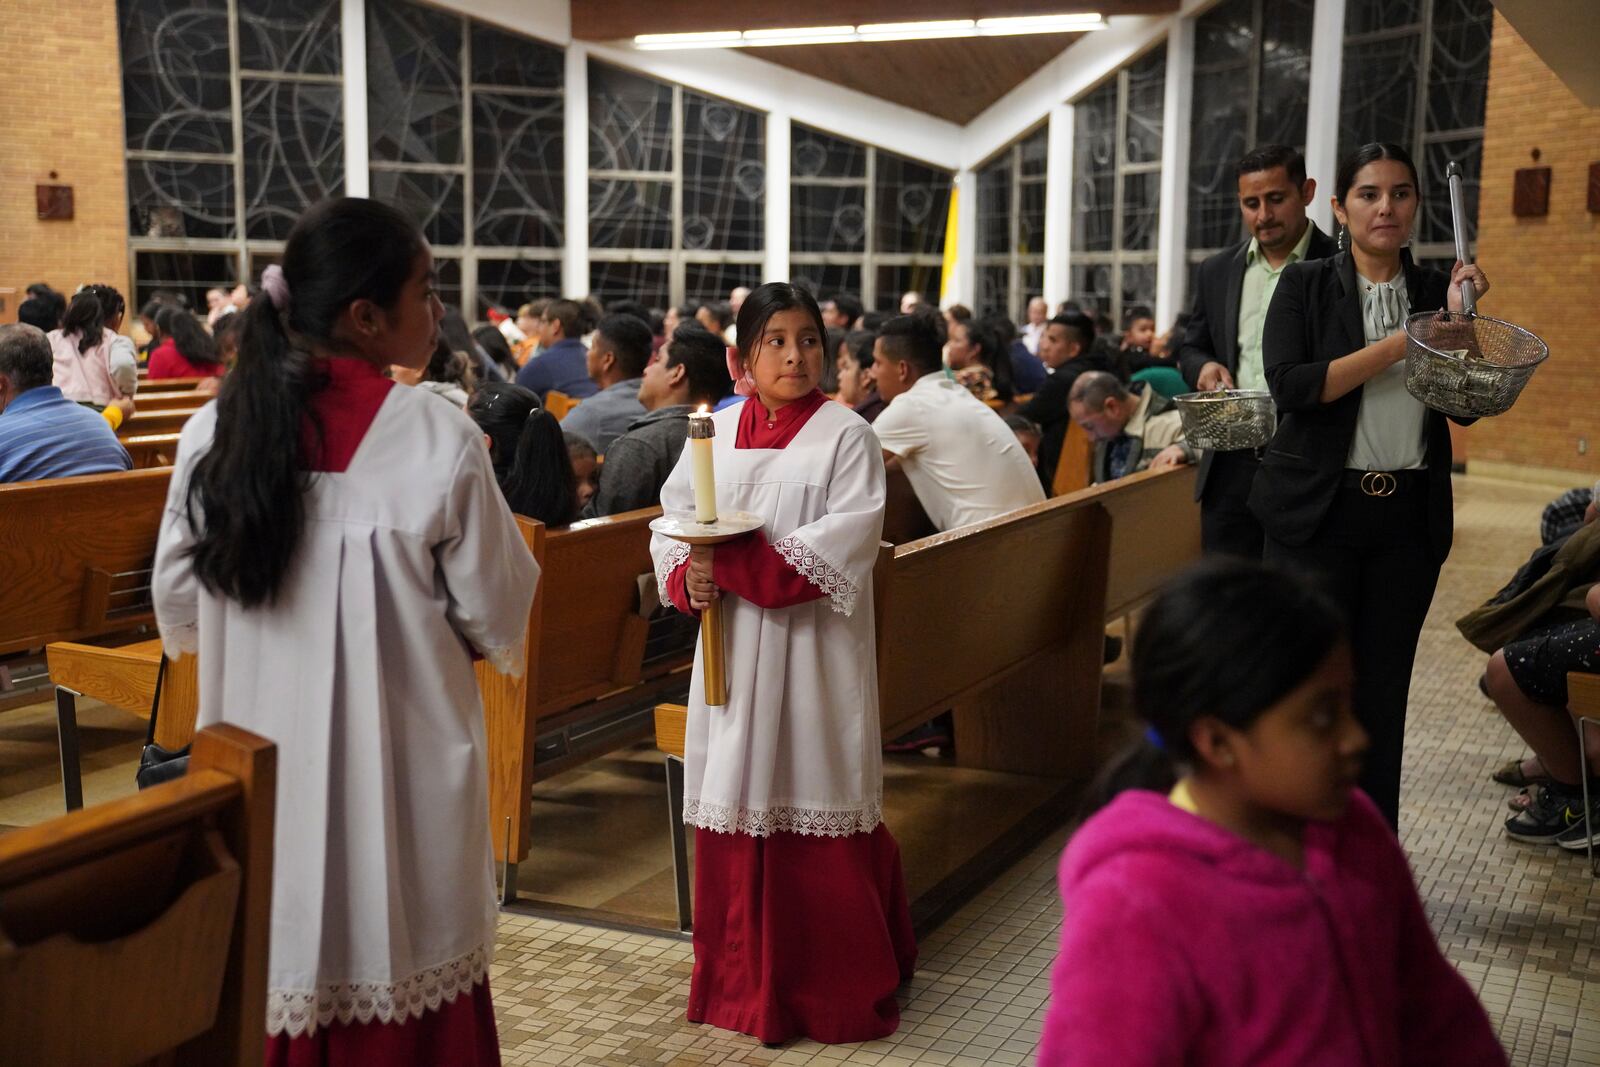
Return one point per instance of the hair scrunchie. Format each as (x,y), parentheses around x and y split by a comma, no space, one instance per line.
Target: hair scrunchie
(276,286)
(743,383)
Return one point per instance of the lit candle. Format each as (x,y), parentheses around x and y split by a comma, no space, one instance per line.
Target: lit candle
(701,432)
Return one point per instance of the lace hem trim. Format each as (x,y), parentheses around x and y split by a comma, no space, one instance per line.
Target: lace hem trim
(841,591)
(298,1012)
(670,561)
(808,822)
(507,659)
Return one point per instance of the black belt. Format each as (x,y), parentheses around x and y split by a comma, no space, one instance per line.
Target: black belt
(1384,483)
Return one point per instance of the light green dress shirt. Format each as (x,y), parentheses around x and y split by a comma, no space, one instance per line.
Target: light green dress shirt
(1260,281)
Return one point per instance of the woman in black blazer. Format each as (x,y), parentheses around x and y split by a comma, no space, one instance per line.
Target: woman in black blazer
(1355,484)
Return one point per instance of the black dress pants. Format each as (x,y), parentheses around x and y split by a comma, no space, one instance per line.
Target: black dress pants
(1372,557)
(1227,525)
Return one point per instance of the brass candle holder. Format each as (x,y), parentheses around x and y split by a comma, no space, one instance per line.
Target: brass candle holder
(684,527)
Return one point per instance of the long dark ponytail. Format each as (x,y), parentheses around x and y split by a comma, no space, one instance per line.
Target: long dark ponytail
(1227,638)
(192,342)
(528,450)
(91,308)
(247,495)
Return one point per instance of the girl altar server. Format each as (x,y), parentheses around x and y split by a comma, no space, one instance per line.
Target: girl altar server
(801,927)
(335,549)
(1242,904)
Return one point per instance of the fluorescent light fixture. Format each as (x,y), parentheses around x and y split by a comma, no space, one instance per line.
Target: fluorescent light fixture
(651,42)
(1002,27)
(1079,22)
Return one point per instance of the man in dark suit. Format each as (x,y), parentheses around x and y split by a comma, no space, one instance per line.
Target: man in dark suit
(1222,344)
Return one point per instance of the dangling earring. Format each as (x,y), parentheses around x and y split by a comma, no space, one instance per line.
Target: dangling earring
(1344,239)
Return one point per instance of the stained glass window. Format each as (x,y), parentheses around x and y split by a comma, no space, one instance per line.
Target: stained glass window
(677,191)
(1251,87)
(203,198)
(863,221)
(1010,226)
(1116,178)
(466,125)
(1416,72)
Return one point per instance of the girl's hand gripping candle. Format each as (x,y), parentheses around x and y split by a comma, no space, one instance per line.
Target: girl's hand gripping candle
(704,477)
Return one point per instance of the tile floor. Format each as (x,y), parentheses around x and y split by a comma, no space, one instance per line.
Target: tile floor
(1521,922)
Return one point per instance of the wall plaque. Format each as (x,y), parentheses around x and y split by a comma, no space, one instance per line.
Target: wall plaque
(54,202)
(1594,187)
(1530,196)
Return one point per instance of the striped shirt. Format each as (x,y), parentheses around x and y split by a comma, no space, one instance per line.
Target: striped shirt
(45,435)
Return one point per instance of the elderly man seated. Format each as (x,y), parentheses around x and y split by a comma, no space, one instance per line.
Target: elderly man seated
(1133,427)
(42,433)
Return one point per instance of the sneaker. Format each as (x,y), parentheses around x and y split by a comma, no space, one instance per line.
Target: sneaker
(1553,812)
(1523,798)
(1579,837)
(932,735)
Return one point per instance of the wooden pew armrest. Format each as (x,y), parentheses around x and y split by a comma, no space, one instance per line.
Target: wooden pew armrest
(672,722)
(1583,695)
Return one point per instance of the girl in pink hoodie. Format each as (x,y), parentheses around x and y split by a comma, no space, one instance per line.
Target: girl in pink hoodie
(1248,906)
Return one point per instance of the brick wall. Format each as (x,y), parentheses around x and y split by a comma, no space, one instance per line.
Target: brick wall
(1545,271)
(61,84)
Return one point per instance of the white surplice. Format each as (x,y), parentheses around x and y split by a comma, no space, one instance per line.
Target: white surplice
(797,746)
(383,886)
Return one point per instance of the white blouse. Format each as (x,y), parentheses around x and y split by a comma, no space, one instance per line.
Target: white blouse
(1391,429)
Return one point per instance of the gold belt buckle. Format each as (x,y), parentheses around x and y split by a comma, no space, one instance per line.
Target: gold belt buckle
(1379,483)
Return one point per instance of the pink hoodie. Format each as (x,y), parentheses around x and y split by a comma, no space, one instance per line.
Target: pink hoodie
(1185,944)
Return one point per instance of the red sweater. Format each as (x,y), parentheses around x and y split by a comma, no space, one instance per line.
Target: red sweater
(167,362)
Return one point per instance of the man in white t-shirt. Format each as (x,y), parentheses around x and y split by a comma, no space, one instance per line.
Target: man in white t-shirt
(962,460)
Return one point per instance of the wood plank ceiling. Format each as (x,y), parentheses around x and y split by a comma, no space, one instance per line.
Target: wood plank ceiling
(952,79)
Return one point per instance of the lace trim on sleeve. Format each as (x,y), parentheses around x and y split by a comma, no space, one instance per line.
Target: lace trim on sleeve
(808,822)
(839,590)
(298,1013)
(670,561)
(180,639)
(507,659)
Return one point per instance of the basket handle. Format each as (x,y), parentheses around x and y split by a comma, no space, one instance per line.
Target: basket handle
(1469,292)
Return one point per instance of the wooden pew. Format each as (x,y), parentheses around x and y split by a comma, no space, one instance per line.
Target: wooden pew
(559,404)
(152,449)
(590,675)
(138,929)
(146,382)
(1072,469)
(188,398)
(146,423)
(1583,701)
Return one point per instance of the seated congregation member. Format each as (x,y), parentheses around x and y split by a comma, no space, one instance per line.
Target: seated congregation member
(1355,483)
(962,460)
(1033,329)
(1221,345)
(494,343)
(690,372)
(1067,349)
(841,311)
(562,362)
(858,390)
(38,313)
(801,927)
(1028,371)
(528,451)
(185,349)
(52,307)
(453,328)
(585,463)
(42,433)
(616,361)
(1134,428)
(1028,436)
(335,549)
(448,374)
(978,361)
(1237,888)
(716,317)
(94,364)
(1567,513)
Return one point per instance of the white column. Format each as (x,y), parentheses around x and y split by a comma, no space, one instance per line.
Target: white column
(775,267)
(575,253)
(353,40)
(964,276)
(1058,207)
(1322,111)
(1172,229)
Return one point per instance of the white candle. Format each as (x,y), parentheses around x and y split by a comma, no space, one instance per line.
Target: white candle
(703,475)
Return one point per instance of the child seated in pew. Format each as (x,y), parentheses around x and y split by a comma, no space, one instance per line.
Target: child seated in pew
(801,925)
(529,452)
(1246,904)
(335,548)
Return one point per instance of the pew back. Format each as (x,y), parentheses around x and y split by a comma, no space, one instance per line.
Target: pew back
(76,555)
(152,449)
(152,913)
(142,423)
(1155,533)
